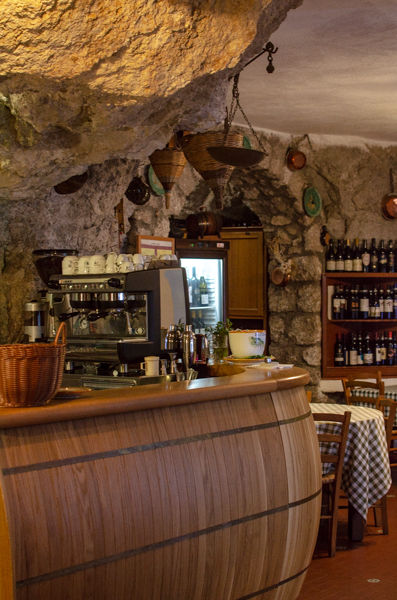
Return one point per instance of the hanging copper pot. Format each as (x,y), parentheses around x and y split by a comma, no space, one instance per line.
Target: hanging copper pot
(388,203)
(295,159)
(168,165)
(215,173)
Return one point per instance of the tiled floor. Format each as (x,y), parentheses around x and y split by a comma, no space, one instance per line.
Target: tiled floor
(359,571)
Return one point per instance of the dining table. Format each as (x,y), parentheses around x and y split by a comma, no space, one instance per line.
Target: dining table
(366,475)
(390,394)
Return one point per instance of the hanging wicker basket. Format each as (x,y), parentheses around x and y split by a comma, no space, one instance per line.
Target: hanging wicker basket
(168,165)
(216,174)
(30,374)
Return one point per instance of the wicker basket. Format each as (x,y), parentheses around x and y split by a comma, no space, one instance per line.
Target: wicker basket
(168,165)
(216,174)
(30,374)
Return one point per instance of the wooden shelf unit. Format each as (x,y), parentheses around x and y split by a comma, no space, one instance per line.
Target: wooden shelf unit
(347,326)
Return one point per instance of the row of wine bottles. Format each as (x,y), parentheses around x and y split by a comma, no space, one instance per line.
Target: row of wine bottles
(198,290)
(364,302)
(362,349)
(360,258)
(198,324)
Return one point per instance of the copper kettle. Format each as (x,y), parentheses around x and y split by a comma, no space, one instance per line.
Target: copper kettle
(388,203)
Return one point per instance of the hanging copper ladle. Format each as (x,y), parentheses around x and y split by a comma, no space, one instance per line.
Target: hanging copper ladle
(237,157)
(389,202)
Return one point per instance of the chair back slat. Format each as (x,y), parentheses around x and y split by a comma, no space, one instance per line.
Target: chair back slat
(359,382)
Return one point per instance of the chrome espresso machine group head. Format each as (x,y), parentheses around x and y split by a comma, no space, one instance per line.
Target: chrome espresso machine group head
(117,318)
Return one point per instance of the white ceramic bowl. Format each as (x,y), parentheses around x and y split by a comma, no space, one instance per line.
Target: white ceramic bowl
(249,342)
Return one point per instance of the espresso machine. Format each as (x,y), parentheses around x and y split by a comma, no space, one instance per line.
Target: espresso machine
(114,320)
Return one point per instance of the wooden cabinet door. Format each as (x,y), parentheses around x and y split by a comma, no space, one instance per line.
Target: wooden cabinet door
(246,284)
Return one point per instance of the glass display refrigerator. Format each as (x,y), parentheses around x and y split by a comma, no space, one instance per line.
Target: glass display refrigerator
(205,262)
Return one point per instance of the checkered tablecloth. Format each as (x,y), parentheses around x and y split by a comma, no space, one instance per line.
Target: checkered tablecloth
(366,473)
(390,393)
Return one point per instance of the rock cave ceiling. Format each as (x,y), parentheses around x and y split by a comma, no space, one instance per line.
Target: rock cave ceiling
(84,81)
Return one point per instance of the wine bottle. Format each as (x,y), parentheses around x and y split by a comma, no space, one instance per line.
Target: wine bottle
(364,303)
(395,301)
(390,349)
(374,258)
(339,359)
(391,259)
(349,302)
(348,258)
(330,263)
(203,291)
(381,302)
(360,350)
(378,351)
(336,303)
(195,289)
(371,312)
(356,302)
(395,347)
(201,322)
(365,257)
(339,258)
(376,305)
(357,260)
(382,257)
(383,349)
(368,354)
(343,302)
(353,352)
(190,287)
(389,305)
(345,350)
(195,324)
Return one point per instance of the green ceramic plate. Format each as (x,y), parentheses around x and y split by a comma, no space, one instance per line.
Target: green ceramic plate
(246,143)
(312,202)
(155,183)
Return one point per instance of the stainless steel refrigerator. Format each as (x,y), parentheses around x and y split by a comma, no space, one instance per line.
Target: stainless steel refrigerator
(207,260)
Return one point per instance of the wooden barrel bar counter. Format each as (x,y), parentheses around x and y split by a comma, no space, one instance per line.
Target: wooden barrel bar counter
(198,490)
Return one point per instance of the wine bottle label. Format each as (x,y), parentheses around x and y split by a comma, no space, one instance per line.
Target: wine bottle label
(357,265)
(378,354)
(381,304)
(360,359)
(383,353)
(339,359)
(377,312)
(388,305)
(368,358)
(353,358)
(336,305)
(349,265)
(372,311)
(365,258)
(364,304)
(340,265)
(204,299)
(331,265)
(383,260)
(202,330)
(374,260)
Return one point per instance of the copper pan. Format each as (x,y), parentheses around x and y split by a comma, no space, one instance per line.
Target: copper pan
(388,207)
(295,160)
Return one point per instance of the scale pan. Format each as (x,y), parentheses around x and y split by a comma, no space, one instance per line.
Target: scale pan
(236,157)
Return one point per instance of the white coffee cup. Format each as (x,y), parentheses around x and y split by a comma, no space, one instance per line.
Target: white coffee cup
(84,264)
(111,264)
(151,366)
(97,264)
(122,258)
(126,267)
(70,265)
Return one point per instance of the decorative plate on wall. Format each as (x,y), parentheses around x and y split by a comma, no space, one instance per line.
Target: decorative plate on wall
(312,202)
(155,182)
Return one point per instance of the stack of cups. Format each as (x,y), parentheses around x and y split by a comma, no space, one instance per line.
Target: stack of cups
(70,265)
(124,264)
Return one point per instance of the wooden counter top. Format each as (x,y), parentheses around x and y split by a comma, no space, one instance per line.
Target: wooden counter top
(122,400)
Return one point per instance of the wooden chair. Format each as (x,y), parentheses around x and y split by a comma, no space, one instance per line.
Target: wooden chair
(332,480)
(381,505)
(358,382)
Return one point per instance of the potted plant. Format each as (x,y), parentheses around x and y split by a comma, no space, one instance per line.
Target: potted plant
(219,337)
